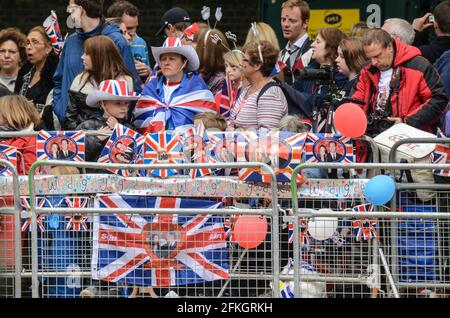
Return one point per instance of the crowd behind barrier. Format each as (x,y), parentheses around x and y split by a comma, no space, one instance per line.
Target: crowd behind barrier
(316,171)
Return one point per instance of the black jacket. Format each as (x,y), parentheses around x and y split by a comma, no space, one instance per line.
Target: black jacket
(78,111)
(41,89)
(94,145)
(434,49)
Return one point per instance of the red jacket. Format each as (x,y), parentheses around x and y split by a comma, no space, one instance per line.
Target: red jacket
(420,100)
(26,151)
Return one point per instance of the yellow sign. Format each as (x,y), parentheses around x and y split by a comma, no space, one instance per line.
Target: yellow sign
(342,19)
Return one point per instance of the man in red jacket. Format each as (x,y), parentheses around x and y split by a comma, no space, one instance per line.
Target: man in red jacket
(398,85)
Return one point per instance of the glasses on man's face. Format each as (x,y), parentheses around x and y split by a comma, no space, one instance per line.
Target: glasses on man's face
(9,52)
(72,7)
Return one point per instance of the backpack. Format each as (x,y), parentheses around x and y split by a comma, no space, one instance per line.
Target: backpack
(297,104)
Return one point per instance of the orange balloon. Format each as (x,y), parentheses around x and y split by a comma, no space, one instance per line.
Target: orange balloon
(350,120)
(250,231)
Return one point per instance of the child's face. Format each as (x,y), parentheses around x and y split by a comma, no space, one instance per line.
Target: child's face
(117,109)
(233,71)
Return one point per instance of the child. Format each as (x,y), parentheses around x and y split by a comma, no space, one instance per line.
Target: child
(114,97)
(226,98)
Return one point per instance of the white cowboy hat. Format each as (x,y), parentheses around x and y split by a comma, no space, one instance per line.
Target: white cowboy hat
(111,90)
(173,45)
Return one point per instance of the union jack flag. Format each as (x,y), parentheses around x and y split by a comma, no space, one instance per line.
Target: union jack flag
(25,206)
(440,156)
(227,97)
(8,153)
(304,238)
(191,98)
(158,250)
(163,148)
(364,228)
(51,26)
(344,147)
(280,150)
(77,221)
(279,67)
(75,141)
(126,142)
(191,31)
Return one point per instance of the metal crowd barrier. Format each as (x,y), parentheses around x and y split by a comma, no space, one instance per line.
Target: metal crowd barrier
(13,211)
(398,231)
(272,214)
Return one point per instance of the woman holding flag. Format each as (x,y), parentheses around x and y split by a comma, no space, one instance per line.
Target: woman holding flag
(177,95)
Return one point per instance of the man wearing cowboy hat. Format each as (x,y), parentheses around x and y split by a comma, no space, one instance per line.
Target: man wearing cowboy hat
(113,96)
(177,95)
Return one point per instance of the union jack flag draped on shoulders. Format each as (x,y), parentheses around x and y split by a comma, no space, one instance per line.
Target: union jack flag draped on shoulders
(192,97)
(158,250)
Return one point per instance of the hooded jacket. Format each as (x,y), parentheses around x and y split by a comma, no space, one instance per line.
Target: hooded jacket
(70,64)
(419,98)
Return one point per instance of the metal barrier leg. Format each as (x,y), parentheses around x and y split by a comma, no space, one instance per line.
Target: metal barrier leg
(388,273)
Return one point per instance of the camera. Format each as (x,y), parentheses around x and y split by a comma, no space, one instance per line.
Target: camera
(325,73)
(431,19)
(377,122)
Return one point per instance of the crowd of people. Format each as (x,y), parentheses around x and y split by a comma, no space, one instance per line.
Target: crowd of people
(393,74)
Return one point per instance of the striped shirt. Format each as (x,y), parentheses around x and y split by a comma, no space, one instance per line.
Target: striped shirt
(271,108)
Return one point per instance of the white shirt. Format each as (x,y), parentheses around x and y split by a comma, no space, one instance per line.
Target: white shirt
(384,88)
(299,43)
(168,91)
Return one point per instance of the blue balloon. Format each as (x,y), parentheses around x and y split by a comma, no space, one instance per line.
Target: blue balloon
(380,190)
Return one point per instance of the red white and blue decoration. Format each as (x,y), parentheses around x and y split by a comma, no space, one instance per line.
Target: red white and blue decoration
(195,148)
(279,67)
(441,156)
(364,228)
(25,209)
(61,145)
(51,27)
(280,150)
(153,113)
(77,222)
(303,235)
(123,147)
(8,153)
(163,148)
(318,148)
(158,250)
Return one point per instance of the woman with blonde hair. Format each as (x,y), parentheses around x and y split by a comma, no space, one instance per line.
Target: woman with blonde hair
(210,54)
(17,114)
(265,33)
(102,61)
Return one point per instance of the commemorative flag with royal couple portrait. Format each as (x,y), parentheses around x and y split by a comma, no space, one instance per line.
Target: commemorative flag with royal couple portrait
(123,147)
(328,148)
(158,250)
(61,145)
(8,153)
(281,150)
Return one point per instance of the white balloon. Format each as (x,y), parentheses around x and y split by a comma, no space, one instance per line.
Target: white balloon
(322,228)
